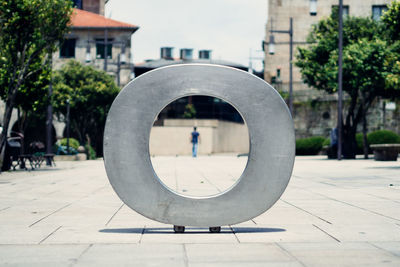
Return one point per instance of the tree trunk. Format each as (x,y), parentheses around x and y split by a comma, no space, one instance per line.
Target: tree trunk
(349,142)
(6,122)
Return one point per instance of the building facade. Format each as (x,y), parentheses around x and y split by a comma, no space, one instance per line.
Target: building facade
(314,111)
(305,13)
(98,41)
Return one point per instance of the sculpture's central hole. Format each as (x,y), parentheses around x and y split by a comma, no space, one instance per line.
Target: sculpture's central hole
(199,146)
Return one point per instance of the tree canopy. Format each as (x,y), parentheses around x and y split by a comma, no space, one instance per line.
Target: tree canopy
(90,93)
(368,60)
(30,30)
(391,20)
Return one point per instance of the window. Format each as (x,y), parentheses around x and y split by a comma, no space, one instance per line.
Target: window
(335,8)
(77,3)
(100,48)
(67,49)
(313,7)
(377,11)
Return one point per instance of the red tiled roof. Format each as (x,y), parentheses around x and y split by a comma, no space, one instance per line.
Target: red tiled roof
(84,19)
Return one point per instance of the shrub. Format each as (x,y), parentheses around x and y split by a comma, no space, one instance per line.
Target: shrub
(62,150)
(383,137)
(91,153)
(327,142)
(72,143)
(360,145)
(309,146)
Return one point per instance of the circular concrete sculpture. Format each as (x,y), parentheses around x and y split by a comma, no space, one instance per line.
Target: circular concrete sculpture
(126,146)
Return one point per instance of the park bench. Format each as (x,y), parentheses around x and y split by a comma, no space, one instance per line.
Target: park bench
(386,152)
(34,160)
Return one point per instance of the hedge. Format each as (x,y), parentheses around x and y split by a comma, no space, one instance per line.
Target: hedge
(72,142)
(309,146)
(383,137)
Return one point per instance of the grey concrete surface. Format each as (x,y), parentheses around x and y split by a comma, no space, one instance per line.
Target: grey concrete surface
(332,214)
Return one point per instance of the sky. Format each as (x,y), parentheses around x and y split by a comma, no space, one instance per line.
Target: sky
(230,28)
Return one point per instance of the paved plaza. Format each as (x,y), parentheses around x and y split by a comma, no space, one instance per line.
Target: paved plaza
(332,214)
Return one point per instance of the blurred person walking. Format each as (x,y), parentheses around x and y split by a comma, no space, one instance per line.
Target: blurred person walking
(195,141)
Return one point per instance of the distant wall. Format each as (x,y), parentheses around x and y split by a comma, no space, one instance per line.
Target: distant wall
(215,137)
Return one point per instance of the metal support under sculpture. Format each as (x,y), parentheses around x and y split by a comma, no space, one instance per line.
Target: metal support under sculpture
(270,160)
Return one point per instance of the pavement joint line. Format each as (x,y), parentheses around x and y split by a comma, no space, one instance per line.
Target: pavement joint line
(115,213)
(48,215)
(328,184)
(75,261)
(69,204)
(326,233)
(141,235)
(202,174)
(385,198)
(346,188)
(288,253)
(380,248)
(209,181)
(355,206)
(306,211)
(5,208)
(41,241)
(234,234)
(185,257)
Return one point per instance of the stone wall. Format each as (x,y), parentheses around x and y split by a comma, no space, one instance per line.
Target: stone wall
(215,137)
(318,115)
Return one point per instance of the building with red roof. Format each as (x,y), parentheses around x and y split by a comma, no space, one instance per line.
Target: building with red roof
(99,41)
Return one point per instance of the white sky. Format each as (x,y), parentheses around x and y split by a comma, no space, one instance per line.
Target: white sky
(230,28)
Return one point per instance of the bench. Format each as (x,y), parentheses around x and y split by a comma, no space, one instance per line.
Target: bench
(386,152)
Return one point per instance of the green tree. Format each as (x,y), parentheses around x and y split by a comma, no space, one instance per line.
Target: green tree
(29,31)
(190,111)
(365,67)
(91,93)
(391,20)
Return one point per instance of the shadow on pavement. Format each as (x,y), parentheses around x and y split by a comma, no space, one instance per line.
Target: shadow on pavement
(190,230)
(387,167)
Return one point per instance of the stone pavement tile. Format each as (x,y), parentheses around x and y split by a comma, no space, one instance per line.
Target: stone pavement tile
(339,213)
(281,233)
(340,254)
(245,224)
(246,264)
(40,255)
(133,255)
(282,212)
(392,247)
(89,235)
(365,231)
(166,234)
(293,192)
(198,254)
(10,234)
(125,217)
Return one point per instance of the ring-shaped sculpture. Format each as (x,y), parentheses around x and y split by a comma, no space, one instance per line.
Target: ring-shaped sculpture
(127,133)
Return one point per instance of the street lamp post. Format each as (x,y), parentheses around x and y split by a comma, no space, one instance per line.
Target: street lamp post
(271,51)
(49,114)
(68,125)
(340,82)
